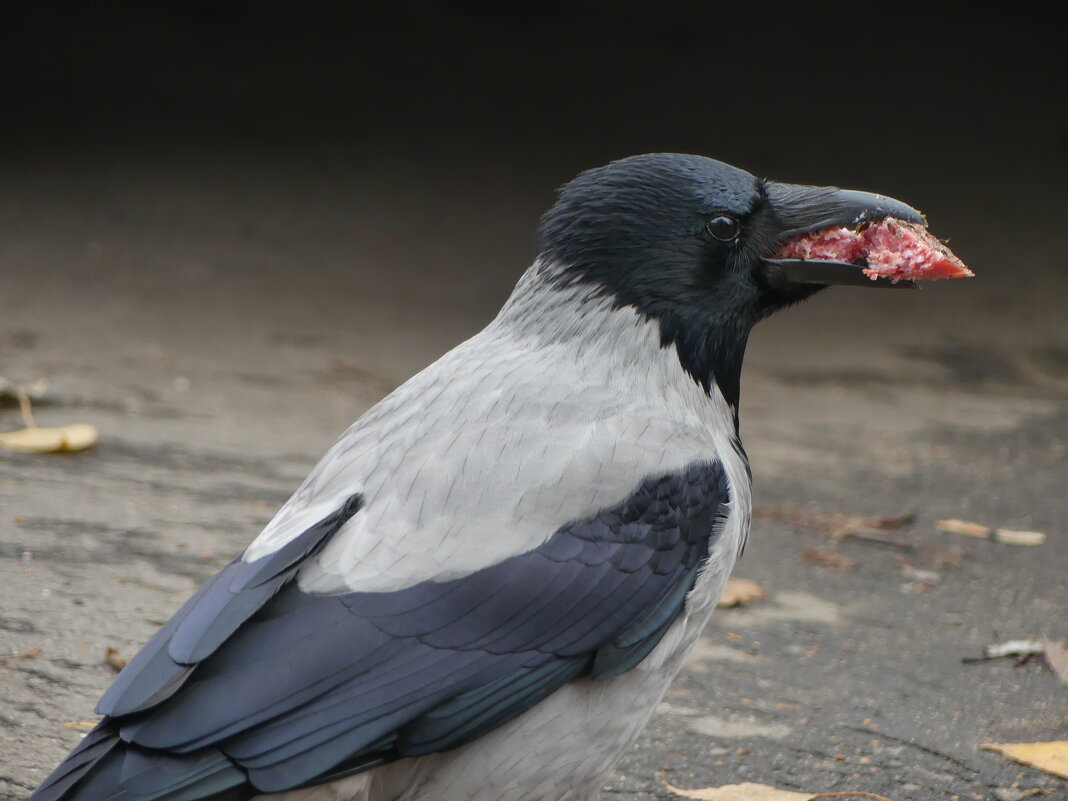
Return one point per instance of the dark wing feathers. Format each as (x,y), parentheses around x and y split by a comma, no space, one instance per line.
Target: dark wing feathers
(89,752)
(230,602)
(255,678)
(151,675)
(633,644)
(212,615)
(474,713)
(104,768)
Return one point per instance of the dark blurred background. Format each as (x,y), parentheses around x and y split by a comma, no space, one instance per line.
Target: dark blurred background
(549,85)
(407,149)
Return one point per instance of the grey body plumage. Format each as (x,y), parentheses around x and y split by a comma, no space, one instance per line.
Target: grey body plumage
(487,584)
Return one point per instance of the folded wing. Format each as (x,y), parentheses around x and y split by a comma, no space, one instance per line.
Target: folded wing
(254,677)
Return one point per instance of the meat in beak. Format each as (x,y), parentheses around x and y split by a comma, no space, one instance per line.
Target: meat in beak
(840,236)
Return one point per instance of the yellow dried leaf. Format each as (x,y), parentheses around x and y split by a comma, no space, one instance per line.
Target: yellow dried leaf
(114,659)
(29,653)
(1006,536)
(748,791)
(740,792)
(49,440)
(1051,757)
(739,591)
(965,527)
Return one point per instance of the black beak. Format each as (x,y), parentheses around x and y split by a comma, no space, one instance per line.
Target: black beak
(801,209)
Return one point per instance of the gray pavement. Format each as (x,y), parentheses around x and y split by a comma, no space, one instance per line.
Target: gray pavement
(222,320)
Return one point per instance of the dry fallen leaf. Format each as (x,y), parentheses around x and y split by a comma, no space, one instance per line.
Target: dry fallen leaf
(832,559)
(1057,659)
(839,526)
(951,556)
(749,791)
(1014,648)
(75,437)
(1051,757)
(739,591)
(965,527)
(115,659)
(740,792)
(913,573)
(29,653)
(1023,650)
(1006,536)
(34,439)
(1016,793)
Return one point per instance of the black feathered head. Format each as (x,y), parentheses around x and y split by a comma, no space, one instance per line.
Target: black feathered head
(686,241)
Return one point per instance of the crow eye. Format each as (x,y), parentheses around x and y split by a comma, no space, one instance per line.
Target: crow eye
(723,228)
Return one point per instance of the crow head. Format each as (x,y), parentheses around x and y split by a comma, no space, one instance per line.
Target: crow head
(690,242)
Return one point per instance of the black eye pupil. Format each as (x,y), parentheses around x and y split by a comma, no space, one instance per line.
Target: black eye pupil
(723,228)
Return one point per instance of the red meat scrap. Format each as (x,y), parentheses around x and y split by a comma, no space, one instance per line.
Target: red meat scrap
(891,248)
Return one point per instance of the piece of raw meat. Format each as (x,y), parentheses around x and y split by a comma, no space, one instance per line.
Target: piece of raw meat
(890,248)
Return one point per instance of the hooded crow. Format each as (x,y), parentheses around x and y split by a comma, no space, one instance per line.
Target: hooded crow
(487,584)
